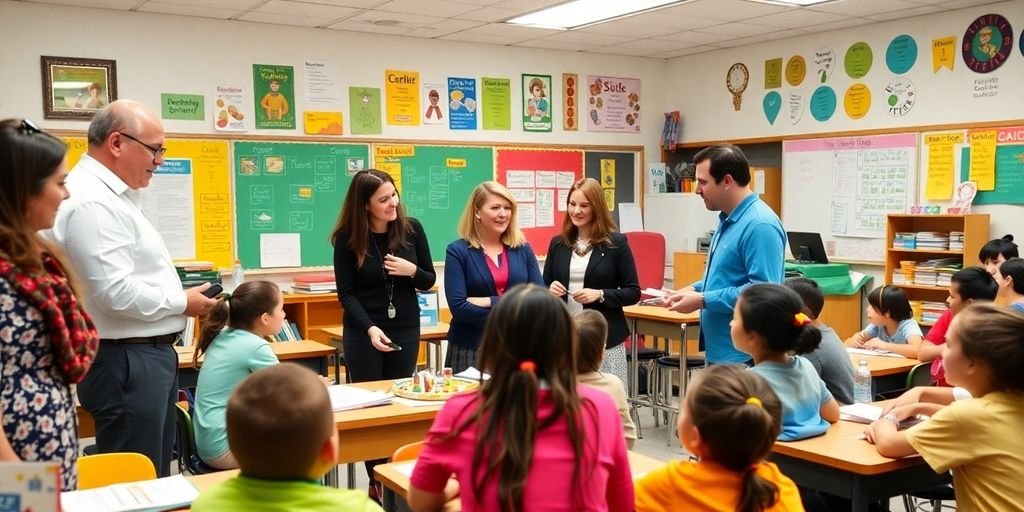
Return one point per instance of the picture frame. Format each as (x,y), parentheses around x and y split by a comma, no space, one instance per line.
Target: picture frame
(77,88)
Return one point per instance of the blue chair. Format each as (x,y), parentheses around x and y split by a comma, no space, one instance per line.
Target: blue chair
(188,456)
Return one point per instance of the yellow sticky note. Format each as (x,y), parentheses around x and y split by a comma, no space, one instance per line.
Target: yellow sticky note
(609,197)
(943,53)
(608,173)
(323,123)
(983,159)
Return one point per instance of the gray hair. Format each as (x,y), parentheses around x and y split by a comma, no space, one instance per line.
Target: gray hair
(113,118)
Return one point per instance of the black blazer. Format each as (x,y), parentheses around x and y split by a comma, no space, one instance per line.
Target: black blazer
(611,269)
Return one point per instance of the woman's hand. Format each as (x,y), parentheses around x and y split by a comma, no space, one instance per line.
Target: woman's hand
(586,296)
(379,340)
(480,302)
(399,266)
(557,289)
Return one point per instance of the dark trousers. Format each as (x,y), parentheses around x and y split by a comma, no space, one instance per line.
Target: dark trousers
(130,392)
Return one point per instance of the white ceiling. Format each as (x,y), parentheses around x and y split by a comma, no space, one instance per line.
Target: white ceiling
(695,26)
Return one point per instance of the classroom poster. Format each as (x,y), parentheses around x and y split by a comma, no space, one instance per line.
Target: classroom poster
(322,123)
(983,159)
(824,63)
(901,54)
(402,94)
(941,172)
(229,108)
(613,104)
(943,53)
(436,110)
(323,83)
(540,181)
(77,146)
(497,103)
(161,202)
(857,100)
(987,43)
(796,70)
(274,94)
(858,60)
(462,106)
(364,110)
(773,73)
(188,107)
(570,98)
(536,103)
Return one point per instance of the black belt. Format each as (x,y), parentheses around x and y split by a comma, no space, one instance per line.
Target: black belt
(160,339)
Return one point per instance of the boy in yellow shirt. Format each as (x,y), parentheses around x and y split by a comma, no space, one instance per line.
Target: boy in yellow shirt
(281,432)
(274,104)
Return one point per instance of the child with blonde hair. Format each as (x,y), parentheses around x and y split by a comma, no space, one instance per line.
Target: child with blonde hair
(591,331)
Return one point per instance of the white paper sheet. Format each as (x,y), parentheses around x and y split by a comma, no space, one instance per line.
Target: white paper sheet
(630,217)
(524,195)
(546,179)
(563,199)
(160,494)
(566,179)
(520,179)
(527,216)
(280,250)
(545,208)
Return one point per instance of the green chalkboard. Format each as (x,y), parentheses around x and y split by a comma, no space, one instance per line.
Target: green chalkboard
(1009,176)
(435,183)
(284,188)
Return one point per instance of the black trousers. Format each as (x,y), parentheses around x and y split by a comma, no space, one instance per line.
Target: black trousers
(130,392)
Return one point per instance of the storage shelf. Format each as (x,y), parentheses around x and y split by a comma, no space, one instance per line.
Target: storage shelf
(927,251)
(922,287)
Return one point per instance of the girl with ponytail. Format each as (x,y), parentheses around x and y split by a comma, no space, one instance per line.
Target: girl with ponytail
(529,439)
(233,339)
(729,419)
(769,324)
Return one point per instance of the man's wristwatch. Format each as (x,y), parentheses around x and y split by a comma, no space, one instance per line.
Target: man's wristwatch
(601,298)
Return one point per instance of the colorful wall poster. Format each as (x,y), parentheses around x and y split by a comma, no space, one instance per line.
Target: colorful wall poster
(824,64)
(364,110)
(773,73)
(900,96)
(536,103)
(796,70)
(436,111)
(77,146)
(323,123)
(497,103)
(462,103)
(772,105)
(823,103)
(189,107)
(901,54)
(570,108)
(987,43)
(943,53)
(941,171)
(274,92)
(613,104)
(857,101)
(795,106)
(323,83)
(402,94)
(983,158)
(228,108)
(858,60)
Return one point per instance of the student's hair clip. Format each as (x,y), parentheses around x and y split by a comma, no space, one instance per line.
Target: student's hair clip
(754,401)
(527,366)
(801,319)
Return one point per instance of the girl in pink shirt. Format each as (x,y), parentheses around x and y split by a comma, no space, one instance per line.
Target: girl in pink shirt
(529,439)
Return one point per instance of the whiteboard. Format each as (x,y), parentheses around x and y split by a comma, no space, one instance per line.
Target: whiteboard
(844,187)
(681,218)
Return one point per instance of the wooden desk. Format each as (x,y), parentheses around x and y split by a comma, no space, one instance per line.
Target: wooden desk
(887,373)
(395,477)
(376,432)
(310,354)
(842,464)
(432,335)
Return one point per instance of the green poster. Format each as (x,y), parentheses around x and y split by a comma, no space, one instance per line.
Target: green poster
(773,73)
(274,95)
(364,110)
(182,106)
(536,103)
(496,94)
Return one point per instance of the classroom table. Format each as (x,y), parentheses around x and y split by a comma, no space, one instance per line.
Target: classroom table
(887,373)
(840,462)
(395,477)
(658,322)
(433,335)
(310,354)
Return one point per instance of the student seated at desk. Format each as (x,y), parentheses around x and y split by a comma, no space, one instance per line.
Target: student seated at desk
(1010,277)
(729,420)
(996,251)
(281,431)
(769,324)
(978,439)
(830,359)
(893,327)
(529,438)
(254,312)
(967,286)
(592,331)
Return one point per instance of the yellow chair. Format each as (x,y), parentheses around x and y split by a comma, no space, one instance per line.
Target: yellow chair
(408,452)
(113,468)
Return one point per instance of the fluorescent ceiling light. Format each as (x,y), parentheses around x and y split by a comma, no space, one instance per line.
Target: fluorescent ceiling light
(793,3)
(587,12)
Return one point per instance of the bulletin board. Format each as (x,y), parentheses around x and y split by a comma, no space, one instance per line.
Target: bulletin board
(1009,167)
(615,171)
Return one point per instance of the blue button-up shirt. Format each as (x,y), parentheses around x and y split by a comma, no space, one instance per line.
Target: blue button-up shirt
(747,248)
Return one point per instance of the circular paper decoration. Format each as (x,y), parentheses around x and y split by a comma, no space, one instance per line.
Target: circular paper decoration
(987,43)
(857,101)
(823,103)
(900,97)
(858,60)
(901,54)
(796,70)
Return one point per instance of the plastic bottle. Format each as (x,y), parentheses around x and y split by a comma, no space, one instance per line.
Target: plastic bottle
(237,274)
(862,383)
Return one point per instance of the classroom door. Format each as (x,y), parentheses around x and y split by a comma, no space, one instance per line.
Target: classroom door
(770,178)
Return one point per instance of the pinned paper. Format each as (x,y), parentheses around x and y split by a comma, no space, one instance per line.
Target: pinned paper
(823,103)
(943,53)
(901,54)
(858,60)
(824,63)
(857,101)
(773,73)
(795,106)
(941,172)
(796,70)
(983,159)
(772,105)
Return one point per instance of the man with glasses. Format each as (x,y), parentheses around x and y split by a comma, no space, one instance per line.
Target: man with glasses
(131,288)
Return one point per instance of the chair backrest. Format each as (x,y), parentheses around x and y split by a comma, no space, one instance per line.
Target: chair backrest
(186,439)
(649,254)
(113,468)
(408,452)
(920,375)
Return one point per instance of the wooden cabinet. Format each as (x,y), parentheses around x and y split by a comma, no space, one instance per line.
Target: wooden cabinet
(974,227)
(687,268)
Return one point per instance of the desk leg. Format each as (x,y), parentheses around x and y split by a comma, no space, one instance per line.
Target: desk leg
(634,379)
(351,468)
(331,479)
(389,500)
(858,495)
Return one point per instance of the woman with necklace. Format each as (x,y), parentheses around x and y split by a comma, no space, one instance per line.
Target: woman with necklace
(491,256)
(590,266)
(381,258)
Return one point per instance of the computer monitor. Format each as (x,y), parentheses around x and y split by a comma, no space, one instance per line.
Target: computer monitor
(806,247)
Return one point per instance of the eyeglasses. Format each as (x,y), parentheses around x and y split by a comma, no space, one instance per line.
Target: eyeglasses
(157,152)
(27,126)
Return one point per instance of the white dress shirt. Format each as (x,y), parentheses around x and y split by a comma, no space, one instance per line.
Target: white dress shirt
(131,286)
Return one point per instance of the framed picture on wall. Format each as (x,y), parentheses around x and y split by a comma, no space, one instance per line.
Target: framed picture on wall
(77,88)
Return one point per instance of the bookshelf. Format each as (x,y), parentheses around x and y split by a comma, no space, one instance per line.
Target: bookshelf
(974,227)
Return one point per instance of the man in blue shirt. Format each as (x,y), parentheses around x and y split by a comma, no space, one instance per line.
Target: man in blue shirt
(747,248)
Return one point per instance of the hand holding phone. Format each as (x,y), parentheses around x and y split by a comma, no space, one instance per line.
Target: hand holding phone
(392,345)
(214,290)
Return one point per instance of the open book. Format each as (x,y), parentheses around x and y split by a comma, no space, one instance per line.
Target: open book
(345,398)
(868,413)
(652,297)
(168,493)
(873,352)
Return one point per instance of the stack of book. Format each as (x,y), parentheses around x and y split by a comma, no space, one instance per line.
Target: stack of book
(314,283)
(936,272)
(904,240)
(195,272)
(931,311)
(899,277)
(956,240)
(932,240)
(289,332)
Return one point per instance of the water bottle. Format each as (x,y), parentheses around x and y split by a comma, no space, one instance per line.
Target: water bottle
(862,383)
(237,275)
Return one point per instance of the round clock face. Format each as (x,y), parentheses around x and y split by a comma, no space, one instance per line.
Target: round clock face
(737,78)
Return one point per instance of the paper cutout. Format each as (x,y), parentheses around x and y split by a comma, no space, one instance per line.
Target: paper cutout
(772,105)
(796,70)
(795,106)
(858,60)
(901,54)
(857,101)
(773,73)
(823,103)
(943,53)
(824,63)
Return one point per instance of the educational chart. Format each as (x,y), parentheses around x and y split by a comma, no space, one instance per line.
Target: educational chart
(1007,166)
(540,181)
(615,172)
(866,178)
(435,184)
(287,200)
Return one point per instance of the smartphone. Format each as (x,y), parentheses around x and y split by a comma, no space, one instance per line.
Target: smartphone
(393,345)
(214,290)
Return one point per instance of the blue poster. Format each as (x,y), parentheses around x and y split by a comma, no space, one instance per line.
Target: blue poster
(901,54)
(823,103)
(462,109)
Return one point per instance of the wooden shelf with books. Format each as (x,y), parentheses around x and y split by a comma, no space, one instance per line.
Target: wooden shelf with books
(926,251)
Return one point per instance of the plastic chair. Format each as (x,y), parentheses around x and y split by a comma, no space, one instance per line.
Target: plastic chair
(408,452)
(113,468)
(920,375)
(188,460)
(649,254)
